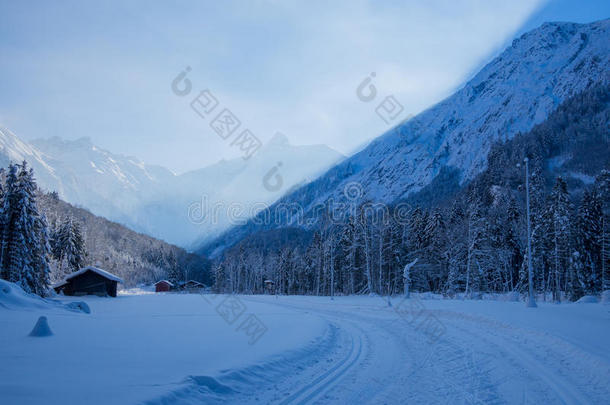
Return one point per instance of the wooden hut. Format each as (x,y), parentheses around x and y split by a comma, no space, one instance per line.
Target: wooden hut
(163,286)
(89,281)
(269,286)
(193,286)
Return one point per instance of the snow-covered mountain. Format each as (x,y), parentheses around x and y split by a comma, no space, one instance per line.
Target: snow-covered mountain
(198,205)
(515,91)
(154,200)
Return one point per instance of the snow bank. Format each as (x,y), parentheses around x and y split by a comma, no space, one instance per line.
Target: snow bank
(588,299)
(13,297)
(136,348)
(79,306)
(139,290)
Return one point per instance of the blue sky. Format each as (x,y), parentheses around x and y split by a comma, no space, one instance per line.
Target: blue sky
(74,68)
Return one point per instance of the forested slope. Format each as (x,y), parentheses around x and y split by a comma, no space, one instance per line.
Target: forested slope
(470,239)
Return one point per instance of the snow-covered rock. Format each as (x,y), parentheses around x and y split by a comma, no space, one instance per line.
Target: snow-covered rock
(41,328)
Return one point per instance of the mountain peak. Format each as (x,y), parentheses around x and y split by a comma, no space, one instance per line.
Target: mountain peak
(55,142)
(279,139)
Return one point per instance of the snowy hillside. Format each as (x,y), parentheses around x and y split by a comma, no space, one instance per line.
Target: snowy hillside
(152,199)
(135,257)
(515,91)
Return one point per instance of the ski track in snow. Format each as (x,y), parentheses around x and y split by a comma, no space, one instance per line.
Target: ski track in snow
(369,354)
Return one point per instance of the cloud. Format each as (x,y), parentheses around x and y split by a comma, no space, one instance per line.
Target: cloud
(104,71)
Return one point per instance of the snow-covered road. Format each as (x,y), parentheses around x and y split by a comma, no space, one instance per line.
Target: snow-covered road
(482,352)
(182,349)
(429,351)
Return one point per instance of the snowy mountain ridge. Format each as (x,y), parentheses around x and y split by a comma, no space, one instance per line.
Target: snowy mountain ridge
(153,199)
(515,91)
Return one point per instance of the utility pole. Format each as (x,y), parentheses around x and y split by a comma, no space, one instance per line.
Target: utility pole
(605,281)
(531,302)
(332,272)
(330,235)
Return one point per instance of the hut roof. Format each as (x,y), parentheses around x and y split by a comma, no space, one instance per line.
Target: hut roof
(60,284)
(164,281)
(194,282)
(101,272)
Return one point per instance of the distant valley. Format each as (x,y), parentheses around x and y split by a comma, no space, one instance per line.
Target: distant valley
(152,199)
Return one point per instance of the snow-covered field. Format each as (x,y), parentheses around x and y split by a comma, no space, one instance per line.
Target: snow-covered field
(178,348)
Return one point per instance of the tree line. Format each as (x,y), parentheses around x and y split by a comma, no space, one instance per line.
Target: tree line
(467,248)
(474,241)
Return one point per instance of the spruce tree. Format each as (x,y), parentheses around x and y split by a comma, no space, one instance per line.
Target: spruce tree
(68,248)
(11,255)
(589,242)
(560,217)
(25,245)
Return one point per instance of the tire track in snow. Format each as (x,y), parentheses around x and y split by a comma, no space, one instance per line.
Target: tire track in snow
(566,392)
(240,385)
(375,336)
(475,361)
(317,387)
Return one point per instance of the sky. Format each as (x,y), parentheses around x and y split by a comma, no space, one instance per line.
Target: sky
(84,69)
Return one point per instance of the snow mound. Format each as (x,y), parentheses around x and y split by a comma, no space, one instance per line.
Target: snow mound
(606,297)
(512,296)
(12,296)
(79,306)
(588,299)
(211,384)
(41,329)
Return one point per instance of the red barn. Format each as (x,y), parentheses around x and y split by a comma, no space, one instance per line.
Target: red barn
(163,286)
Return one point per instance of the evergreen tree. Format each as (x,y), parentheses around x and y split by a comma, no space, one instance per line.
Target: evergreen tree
(68,248)
(541,223)
(12,233)
(476,225)
(174,275)
(24,238)
(589,243)
(42,253)
(560,215)
(602,187)
(435,241)
(512,241)
(349,246)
